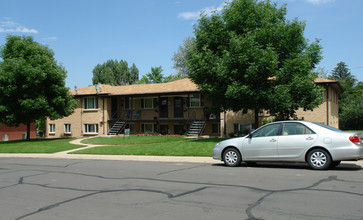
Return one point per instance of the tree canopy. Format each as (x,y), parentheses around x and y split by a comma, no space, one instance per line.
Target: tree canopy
(350,100)
(32,83)
(156,76)
(115,72)
(179,58)
(250,56)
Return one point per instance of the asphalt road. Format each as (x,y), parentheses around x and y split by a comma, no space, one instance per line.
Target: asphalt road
(55,189)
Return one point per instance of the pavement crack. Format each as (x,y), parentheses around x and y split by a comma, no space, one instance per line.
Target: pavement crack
(52,206)
(173,171)
(189,192)
(260,200)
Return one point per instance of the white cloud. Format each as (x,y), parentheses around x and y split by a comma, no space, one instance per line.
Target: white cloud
(9,26)
(195,14)
(50,39)
(317,2)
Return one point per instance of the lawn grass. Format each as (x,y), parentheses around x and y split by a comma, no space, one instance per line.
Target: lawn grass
(37,146)
(201,148)
(359,131)
(132,140)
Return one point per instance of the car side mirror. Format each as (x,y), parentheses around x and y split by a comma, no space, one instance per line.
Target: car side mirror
(249,135)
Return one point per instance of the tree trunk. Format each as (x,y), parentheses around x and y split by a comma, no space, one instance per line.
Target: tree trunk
(28,131)
(256,118)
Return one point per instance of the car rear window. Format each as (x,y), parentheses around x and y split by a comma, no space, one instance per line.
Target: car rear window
(327,127)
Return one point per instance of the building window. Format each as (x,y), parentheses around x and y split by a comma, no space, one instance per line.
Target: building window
(67,128)
(196,100)
(90,103)
(129,103)
(23,136)
(242,129)
(147,103)
(5,137)
(51,128)
(147,128)
(91,128)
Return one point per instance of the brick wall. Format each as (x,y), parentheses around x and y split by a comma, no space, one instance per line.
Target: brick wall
(16,133)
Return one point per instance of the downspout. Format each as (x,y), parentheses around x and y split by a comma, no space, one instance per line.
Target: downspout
(225,125)
(82,109)
(158,115)
(327,104)
(103,114)
(188,107)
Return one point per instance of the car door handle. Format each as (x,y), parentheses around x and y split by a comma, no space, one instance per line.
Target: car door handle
(309,138)
(273,140)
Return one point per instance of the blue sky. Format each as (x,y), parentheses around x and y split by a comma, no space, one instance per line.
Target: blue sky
(84,33)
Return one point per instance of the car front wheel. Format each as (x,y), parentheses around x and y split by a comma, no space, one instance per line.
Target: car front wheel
(232,157)
(319,159)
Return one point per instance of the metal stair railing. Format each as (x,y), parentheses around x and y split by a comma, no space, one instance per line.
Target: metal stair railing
(197,125)
(117,127)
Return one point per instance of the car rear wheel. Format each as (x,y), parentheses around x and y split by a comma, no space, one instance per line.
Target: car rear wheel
(319,159)
(335,163)
(232,157)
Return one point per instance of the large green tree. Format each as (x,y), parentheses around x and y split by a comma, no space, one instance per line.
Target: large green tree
(249,56)
(115,72)
(351,99)
(179,58)
(32,83)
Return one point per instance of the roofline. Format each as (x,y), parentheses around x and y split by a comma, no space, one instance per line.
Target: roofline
(334,82)
(141,95)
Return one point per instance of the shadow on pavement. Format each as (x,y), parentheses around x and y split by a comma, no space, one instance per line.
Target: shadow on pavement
(342,167)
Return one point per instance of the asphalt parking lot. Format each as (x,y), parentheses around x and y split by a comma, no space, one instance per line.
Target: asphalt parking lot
(43,188)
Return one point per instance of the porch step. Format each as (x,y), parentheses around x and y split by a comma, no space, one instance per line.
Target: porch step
(196,128)
(117,128)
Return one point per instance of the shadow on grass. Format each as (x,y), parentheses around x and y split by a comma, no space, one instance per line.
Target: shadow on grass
(209,140)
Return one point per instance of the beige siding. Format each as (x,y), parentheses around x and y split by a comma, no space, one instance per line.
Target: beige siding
(326,113)
(79,118)
(103,114)
(236,118)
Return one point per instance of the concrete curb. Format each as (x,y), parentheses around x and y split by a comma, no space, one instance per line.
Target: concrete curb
(169,159)
(115,157)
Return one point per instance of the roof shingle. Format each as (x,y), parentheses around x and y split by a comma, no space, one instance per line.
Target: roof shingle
(178,86)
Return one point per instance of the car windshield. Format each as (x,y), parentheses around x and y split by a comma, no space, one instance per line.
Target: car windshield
(328,127)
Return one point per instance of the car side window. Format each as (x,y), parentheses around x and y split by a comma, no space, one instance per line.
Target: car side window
(269,130)
(295,129)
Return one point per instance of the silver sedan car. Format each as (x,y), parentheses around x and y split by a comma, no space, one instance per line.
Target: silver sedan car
(318,145)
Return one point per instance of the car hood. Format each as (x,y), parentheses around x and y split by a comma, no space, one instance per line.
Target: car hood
(232,141)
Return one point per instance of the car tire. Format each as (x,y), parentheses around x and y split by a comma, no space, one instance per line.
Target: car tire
(250,164)
(232,157)
(319,159)
(335,163)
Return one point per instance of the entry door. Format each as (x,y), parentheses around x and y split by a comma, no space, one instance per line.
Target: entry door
(178,107)
(163,108)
